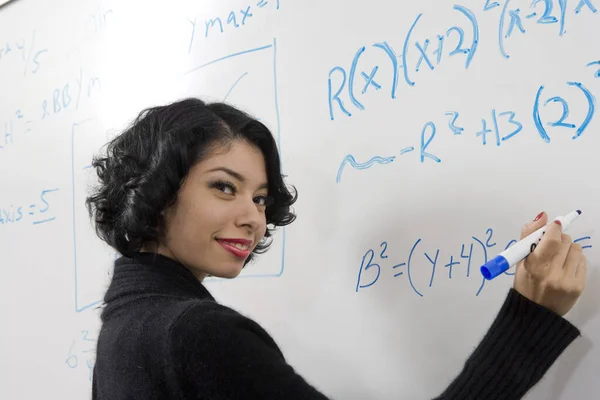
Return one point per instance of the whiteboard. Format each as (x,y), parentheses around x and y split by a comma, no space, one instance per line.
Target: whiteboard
(420,136)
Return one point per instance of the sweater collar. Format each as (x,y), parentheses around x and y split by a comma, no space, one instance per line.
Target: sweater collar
(150,274)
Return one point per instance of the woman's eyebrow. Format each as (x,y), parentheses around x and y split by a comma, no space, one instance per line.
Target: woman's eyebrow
(236,175)
(228,171)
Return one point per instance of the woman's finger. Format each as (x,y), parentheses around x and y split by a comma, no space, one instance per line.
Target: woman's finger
(540,220)
(572,260)
(581,274)
(551,243)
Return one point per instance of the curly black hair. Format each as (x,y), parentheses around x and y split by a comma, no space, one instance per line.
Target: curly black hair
(143,168)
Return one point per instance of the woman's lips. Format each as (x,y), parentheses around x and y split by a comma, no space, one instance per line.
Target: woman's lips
(238,247)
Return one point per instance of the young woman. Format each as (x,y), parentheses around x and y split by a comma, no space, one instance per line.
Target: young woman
(190,190)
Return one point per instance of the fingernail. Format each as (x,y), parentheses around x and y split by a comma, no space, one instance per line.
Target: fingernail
(540,215)
(557,222)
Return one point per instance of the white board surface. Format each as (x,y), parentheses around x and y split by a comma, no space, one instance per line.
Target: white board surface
(421,136)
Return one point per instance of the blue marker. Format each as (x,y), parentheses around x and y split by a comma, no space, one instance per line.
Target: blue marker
(521,249)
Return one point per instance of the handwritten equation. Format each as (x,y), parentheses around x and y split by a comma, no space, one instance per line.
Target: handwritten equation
(98,21)
(543,12)
(236,19)
(66,96)
(497,127)
(24,51)
(348,86)
(82,353)
(36,213)
(425,261)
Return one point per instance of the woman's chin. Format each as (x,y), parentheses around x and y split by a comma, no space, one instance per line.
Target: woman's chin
(229,271)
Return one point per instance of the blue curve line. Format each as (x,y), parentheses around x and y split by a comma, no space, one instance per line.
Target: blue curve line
(277,102)
(597,74)
(352,161)
(78,309)
(591,102)
(276,98)
(234,85)
(226,57)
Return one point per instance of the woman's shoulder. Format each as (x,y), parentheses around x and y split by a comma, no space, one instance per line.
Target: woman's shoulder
(211,325)
(214,350)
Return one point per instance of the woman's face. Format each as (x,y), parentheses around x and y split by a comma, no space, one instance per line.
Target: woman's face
(219,215)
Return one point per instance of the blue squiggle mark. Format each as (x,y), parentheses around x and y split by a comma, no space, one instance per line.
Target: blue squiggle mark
(507,272)
(565,107)
(336,96)
(471,16)
(398,273)
(485,260)
(591,100)
(547,17)
(589,246)
(78,308)
(519,126)
(349,159)
(501,28)
(563,11)
(536,117)
(585,3)
(44,221)
(390,52)
(405,50)
(408,267)
(234,85)
(581,238)
(597,74)
(239,53)
(276,98)
(353,99)
(489,6)
(457,130)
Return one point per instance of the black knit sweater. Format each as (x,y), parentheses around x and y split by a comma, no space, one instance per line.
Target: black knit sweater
(164,336)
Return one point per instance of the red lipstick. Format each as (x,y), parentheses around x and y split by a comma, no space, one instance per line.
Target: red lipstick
(238,247)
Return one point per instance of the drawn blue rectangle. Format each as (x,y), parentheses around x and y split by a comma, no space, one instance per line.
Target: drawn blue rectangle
(84,300)
(267,50)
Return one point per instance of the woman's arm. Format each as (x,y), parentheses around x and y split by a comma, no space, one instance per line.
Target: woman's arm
(222,354)
(218,353)
(529,332)
(523,342)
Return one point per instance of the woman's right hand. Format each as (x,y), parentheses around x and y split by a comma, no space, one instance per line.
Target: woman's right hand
(553,274)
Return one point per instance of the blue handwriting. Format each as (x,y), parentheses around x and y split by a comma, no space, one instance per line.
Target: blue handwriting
(597,65)
(562,121)
(38,212)
(349,159)
(64,97)
(499,126)
(349,86)
(237,18)
(429,52)
(69,95)
(374,265)
(84,347)
(97,21)
(31,55)
(543,12)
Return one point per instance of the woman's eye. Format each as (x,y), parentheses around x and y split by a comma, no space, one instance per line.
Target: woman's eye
(264,201)
(224,187)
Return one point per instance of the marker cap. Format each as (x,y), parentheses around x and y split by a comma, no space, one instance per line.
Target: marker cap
(494,267)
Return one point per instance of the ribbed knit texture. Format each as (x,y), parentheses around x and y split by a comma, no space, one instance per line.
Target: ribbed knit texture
(164,336)
(523,342)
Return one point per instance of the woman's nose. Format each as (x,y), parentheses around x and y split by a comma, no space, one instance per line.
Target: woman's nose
(249,215)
